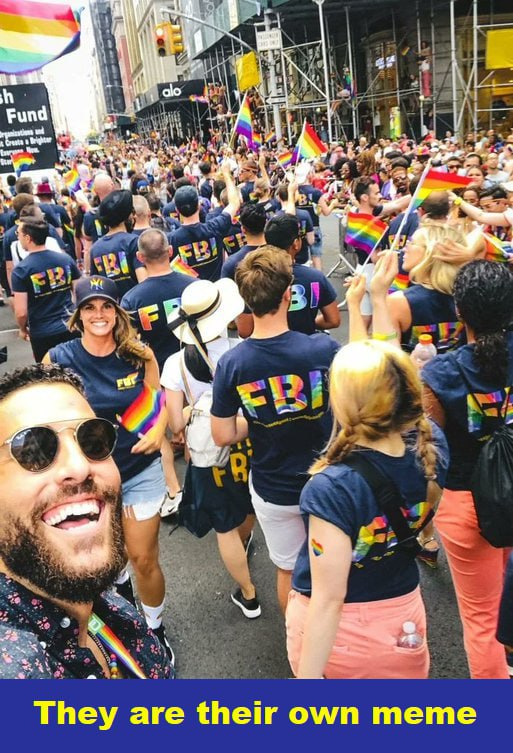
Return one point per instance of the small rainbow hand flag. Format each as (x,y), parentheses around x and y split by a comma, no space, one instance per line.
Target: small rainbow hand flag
(257,140)
(497,250)
(243,125)
(270,137)
(364,231)
(285,159)
(438,181)
(22,161)
(310,144)
(72,180)
(143,413)
(178,265)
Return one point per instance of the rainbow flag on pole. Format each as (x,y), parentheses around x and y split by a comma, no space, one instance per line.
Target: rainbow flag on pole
(434,180)
(72,180)
(22,161)
(243,124)
(309,144)
(497,250)
(285,159)
(364,231)
(144,412)
(257,140)
(269,137)
(33,34)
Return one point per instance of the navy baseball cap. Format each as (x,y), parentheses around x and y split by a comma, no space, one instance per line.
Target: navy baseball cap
(186,200)
(95,287)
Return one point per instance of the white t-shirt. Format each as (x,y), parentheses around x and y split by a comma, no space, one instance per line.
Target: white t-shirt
(508,214)
(171,377)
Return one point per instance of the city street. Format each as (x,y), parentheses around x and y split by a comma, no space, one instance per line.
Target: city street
(210,636)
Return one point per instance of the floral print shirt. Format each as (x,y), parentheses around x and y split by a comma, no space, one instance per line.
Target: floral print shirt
(38,640)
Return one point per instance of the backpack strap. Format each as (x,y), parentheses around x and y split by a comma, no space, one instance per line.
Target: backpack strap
(388,497)
(188,393)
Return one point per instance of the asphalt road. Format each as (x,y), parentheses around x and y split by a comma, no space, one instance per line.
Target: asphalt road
(210,636)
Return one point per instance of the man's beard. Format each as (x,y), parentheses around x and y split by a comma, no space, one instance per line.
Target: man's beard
(29,557)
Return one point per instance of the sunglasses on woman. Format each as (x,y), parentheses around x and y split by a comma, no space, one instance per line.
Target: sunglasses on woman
(36,447)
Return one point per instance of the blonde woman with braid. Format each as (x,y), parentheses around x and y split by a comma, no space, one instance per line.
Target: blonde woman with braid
(353,585)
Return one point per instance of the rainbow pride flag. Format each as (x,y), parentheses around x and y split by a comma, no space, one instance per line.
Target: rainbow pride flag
(364,231)
(257,140)
(243,125)
(143,413)
(309,143)
(178,265)
(435,180)
(72,180)
(22,160)
(33,34)
(497,250)
(285,159)
(269,137)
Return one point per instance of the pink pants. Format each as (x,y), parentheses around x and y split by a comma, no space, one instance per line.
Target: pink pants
(365,646)
(477,570)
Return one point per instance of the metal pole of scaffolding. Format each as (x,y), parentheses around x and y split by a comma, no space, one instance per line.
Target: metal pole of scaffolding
(454,67)
(272,82)
(285,85)
(354,105)
(433,65)
(421,92)
(476,67)
(320,4)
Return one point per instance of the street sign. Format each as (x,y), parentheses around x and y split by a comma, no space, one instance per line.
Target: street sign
(268,40)
(276,100)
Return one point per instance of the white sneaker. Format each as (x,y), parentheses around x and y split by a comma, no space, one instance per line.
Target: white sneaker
(170,504)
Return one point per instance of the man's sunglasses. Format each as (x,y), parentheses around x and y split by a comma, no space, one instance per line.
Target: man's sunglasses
(36,447)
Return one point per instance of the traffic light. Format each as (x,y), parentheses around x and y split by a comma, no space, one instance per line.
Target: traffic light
(175,39)
(160,40)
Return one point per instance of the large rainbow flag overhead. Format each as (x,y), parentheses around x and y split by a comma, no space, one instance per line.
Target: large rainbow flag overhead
(33,34)
(364,231)
(435,180)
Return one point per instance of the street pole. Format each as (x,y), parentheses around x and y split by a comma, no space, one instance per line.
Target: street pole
(272,83)
(354,104)
(454,67)
(320,4)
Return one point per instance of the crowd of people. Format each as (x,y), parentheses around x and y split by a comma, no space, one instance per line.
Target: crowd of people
(175,302)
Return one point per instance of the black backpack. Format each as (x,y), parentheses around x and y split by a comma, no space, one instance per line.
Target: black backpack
(491,482)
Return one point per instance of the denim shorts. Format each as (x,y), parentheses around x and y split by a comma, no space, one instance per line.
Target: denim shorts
(143,494)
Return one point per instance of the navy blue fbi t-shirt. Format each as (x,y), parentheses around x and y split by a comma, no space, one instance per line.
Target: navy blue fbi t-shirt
(310,291)
(232,262)
(201,245)
(114,256)
(468,424)
(92,226)
(235,239)
(281,385)
(152,304)
(308,199)
(46,277)
(342,497)
(432,313)
(111,384)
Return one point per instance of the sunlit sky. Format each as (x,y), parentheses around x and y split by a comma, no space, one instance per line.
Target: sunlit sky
(70,74)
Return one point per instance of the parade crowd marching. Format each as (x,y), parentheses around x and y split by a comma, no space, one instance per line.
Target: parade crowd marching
(176,302)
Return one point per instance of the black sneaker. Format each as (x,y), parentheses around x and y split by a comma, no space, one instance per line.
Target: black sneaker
(126,590)
(160,632)
(250,607)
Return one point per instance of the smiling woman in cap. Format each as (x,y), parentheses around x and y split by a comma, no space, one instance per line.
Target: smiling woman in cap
(218,497)
(120,373)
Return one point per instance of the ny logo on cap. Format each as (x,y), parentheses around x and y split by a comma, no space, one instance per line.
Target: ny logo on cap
(96,283)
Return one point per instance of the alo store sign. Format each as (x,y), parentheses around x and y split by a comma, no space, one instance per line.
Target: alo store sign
(180,90)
